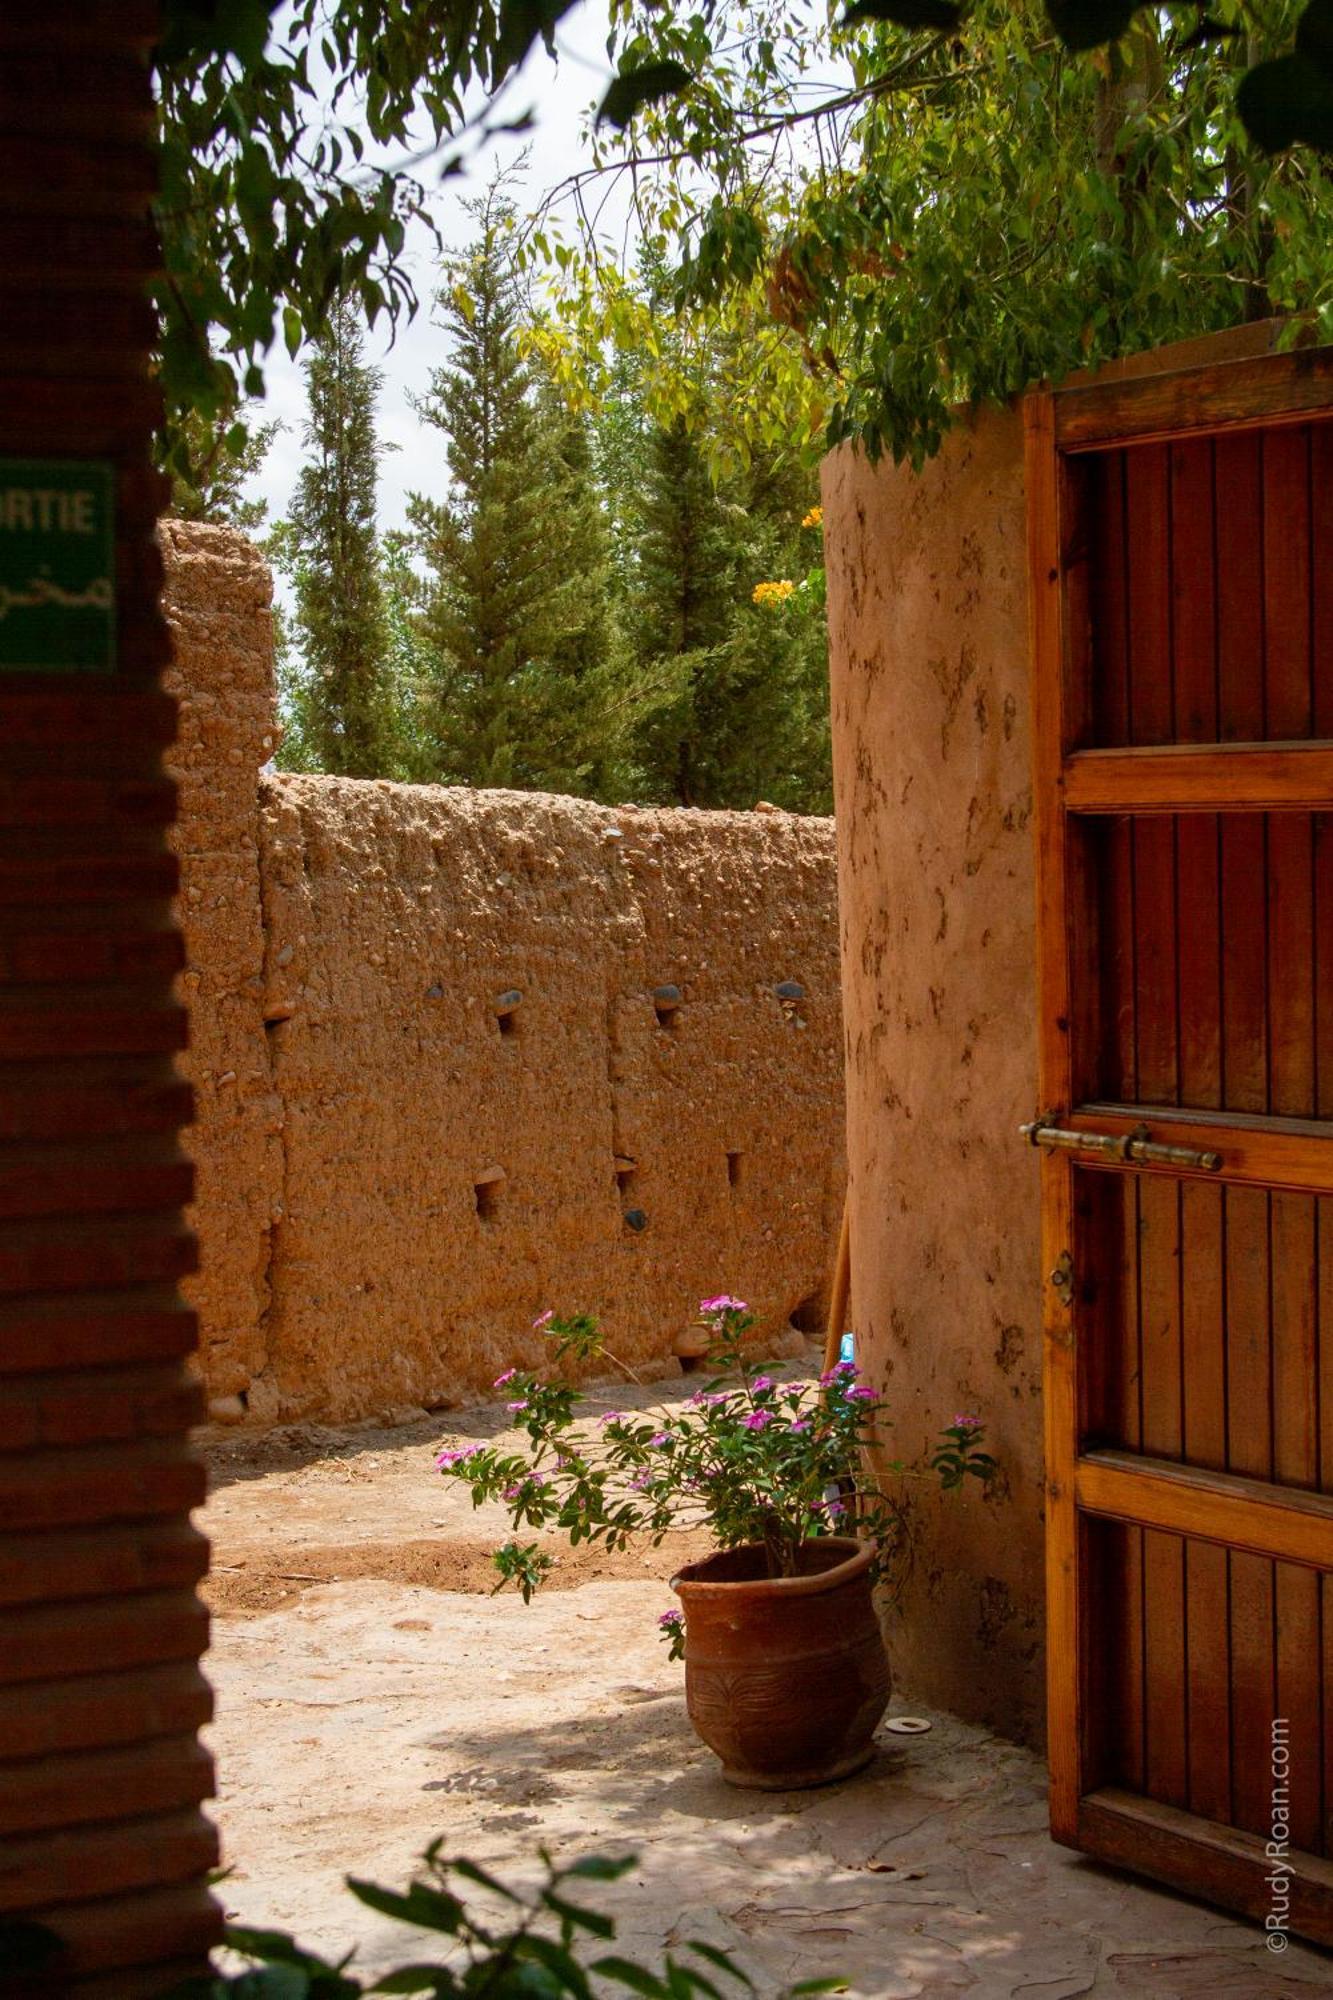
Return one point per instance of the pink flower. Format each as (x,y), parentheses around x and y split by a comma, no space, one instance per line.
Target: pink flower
(804,1425)
(543,1319)
(669,1618)
(966,1423)
(760,1383)
(859,1393)
(661,1440)
(612,1417)
(641,1481)
(448,1458)
(508,1376)
(722,1304)
(758,1420)
(521,1404)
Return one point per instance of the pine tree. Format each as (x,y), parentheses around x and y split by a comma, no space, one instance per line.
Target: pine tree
(339,709)
(734,693)
(515,631)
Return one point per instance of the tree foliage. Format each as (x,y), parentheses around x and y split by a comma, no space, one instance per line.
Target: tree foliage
(514,631)
(982,207)
(294,155)
(213,465)
(727,648)
(341,715)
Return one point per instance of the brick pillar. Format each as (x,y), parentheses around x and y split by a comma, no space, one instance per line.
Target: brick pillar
(101,1776)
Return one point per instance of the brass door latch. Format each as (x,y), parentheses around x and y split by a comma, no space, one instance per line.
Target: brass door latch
(1137,1145)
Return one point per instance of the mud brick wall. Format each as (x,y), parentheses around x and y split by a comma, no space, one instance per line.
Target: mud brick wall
(400,1164)
(102,1840)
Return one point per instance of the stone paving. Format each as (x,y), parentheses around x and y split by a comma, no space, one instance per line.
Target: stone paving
(370,1716)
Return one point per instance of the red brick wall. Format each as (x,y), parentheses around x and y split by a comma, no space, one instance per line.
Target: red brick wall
(101,1775)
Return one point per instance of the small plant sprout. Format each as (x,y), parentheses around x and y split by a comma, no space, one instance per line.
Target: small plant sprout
(749,1457)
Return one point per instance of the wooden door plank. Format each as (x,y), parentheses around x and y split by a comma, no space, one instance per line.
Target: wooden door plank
(1255,1150)
(1292,1092)
(1249,1452)
(1240,607)
(1244,882)
(1117,950)
(1109,586)
(1285,467)
(1166,1728)
(1193,584)
(1203,777)
(1152,721)
(1148,550)
(1202,1299)
(1271,390)
(1221,1863)
(1287,1524)
(1051,739)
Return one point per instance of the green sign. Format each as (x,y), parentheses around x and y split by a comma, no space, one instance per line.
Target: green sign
(57,566)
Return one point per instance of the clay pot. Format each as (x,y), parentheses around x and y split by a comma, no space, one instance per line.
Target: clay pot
(786,1677)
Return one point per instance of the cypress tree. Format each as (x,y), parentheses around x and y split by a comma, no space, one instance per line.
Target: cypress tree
(339,708)
(734,691)
(515,631)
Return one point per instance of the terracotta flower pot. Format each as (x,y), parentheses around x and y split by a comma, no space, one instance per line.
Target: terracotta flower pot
(786,1678)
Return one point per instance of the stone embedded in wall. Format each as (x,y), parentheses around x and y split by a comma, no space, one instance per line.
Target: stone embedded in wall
(928,637)
(439,1088)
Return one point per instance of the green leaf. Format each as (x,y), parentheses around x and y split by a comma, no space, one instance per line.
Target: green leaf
(629,92)
(430,1909)
(936,14)
(472,1873)
(560,1963)
(1314,34)
(415,1979)
(191,28)
(624,1972)
(584,1920)
(1086,24)
(721,1960)
(600,1868)
(1288,102)
(292,328)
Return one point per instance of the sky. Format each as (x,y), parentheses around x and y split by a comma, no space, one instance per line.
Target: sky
(559,94)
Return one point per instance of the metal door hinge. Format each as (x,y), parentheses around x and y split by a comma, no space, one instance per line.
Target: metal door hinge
(1062,1278)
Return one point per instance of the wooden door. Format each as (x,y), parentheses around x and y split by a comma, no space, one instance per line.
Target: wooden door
(1181,542)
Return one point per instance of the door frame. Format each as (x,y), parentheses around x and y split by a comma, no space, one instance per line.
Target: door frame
(1199,1856)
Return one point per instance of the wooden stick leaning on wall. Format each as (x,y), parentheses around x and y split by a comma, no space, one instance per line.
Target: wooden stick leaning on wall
(842,1284)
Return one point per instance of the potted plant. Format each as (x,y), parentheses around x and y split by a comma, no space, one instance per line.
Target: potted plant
(786,1676)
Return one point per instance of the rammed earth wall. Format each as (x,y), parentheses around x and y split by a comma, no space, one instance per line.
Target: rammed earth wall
(399,1165)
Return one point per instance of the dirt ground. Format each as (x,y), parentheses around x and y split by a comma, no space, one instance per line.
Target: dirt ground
(372,1695)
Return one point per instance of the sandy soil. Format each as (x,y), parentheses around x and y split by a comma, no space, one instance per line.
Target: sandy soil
(393,1700)
(306,1505)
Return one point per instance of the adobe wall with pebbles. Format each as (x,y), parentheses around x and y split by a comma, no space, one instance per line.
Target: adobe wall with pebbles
(460,1056)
